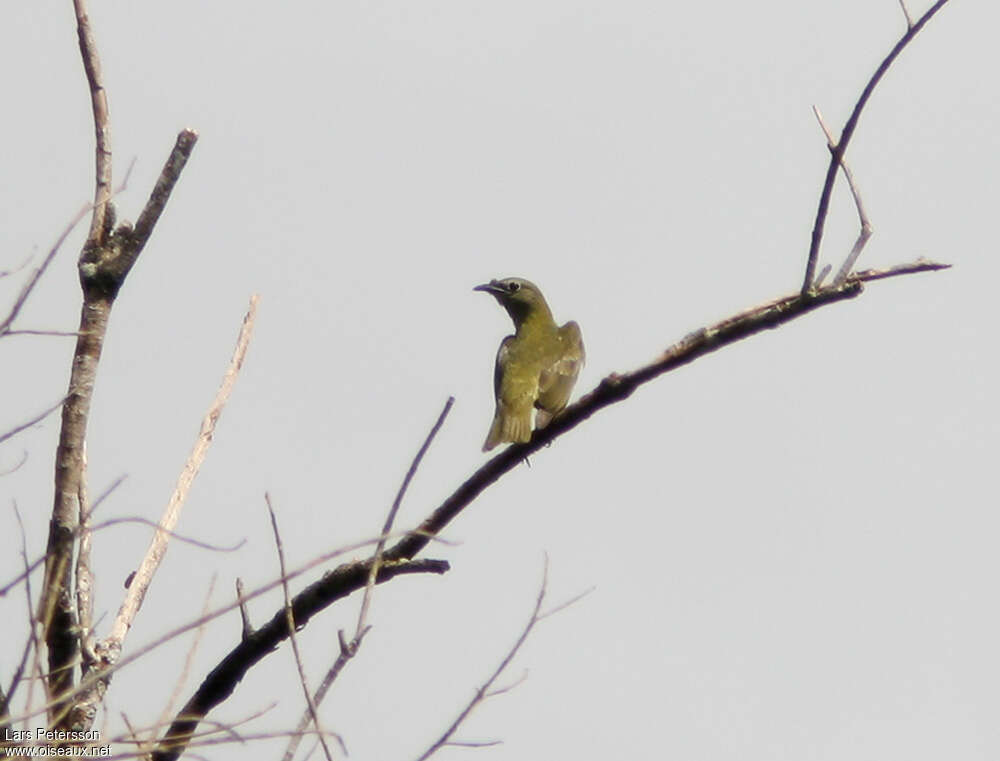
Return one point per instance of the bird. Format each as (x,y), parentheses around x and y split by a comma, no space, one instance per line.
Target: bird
(536,367)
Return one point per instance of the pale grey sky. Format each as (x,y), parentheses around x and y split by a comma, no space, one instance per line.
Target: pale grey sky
(793,541)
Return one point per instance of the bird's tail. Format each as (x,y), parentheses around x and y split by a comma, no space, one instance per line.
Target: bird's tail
(508,427)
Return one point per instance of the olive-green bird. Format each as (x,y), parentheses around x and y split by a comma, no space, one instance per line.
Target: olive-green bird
(536,367)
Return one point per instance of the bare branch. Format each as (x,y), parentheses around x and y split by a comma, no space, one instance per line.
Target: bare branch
(17,466)
(906,14)
(349,649)
(102,126)
(32,332)
(485,690)
(920,265)
(618,387)
(247,629)
(158,546)
(32,642)
(32,281)
(290,618)
(335,584)
(866,227)
(118,521)
(345,579)
(220,683)
(508,687)
(168,178)
(58,610)
(85,576)
(34,421)
(104,263)
(391,517)
(188,660)
(838,151)
(18,268)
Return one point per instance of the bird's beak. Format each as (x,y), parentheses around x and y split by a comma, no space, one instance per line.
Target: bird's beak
(491,287)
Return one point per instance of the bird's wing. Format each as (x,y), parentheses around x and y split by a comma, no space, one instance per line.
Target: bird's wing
(555,384)
(515,393)
(502,354)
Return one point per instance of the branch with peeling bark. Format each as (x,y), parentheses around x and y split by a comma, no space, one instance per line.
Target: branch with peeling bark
(99,658)
(103,268)
(107,257)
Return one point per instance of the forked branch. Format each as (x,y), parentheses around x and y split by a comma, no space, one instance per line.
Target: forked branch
(838,150)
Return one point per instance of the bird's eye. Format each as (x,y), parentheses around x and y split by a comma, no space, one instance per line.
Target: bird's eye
(513,287)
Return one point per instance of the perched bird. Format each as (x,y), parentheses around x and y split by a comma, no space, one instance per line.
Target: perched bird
(536,367)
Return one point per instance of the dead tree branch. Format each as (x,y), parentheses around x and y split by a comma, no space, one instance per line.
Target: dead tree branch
(486,691)
(837,152)
(106,653)
(290,619)
(618,387)
(222,680)
(35,420)
(349,649)
(866,226)
(107,257)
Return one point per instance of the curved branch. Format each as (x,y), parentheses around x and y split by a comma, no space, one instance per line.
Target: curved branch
(617,388)
(837,151)
(222,680)
(343,580)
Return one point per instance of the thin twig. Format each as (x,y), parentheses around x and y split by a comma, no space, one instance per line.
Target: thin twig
(34,421)
(866,226)
(333,586)
(199,634)
(247,628)
(102,125)
(158,546)
(910,268)
(18,465)
(229,729)
(220,683)
(57,333)
(18,268)
(59,618)
(36,275)
(391,517)
(290,618)
(349,649)
(223,679)
(32,641)
(906,14)
(32,281)
(846,134)
(485,691)
(821,277)
(131,730)
(118,521)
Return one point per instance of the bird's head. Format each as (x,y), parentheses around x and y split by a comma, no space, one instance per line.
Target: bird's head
(521,298)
